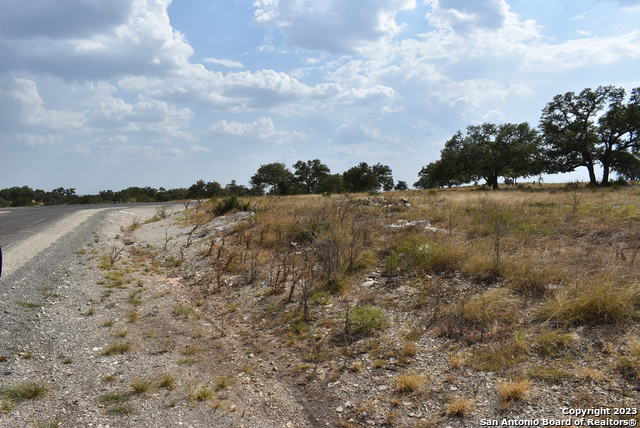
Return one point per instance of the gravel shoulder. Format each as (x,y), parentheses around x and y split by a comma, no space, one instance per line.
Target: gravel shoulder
(120,346)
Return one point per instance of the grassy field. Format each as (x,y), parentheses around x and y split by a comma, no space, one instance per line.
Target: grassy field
(466,302)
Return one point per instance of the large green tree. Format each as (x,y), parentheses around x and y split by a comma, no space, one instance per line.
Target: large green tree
(361,178)
(486,152)
(274,178)
(385,176)
(309,174)
(590,128)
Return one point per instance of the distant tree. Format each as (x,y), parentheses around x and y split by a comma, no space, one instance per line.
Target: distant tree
(18,196)
(332,183)
(202,189)
(361,178)
(594,126)
(401,185)
(197,190)
(309,174)
(213,188)
(385,176)
(108,196)
(235,189)
(274,178)
(440,174)
(486,152)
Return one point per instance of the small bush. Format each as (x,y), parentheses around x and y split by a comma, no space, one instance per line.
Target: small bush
(368,319)
(232,203)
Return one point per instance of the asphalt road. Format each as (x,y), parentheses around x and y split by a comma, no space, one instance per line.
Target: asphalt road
(19,223)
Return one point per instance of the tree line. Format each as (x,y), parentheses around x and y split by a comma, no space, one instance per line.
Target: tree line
(598,127)
(310,176)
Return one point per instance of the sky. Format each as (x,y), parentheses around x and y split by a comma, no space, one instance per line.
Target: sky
(106,94)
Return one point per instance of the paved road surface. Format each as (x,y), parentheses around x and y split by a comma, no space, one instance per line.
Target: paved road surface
(16,224)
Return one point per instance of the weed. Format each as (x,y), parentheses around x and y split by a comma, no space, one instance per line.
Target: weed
(408,383)
(24,391)
(222,382)
(496,357)
(191,350)
(551,343)
(409,349)
(588,373)
(512,391)
(135,224)
(491,309)
(113,397)
(549,374)
(120,410)
(140,386)
(29,305)
(117,348)
(184,311)
(201,394)
(458,407)
(187,361)
(604,300)
(628,367)
(108,323)
(367,320)
(167,381)
(232,203)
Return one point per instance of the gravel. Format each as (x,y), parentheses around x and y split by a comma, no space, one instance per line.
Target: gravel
(56,323)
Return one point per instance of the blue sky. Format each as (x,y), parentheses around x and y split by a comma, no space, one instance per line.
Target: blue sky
(109,94)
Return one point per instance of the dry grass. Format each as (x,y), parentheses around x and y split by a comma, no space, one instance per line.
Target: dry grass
(458,407)
(409,383)
(512,391)
(484,314)
(552,343)
(537,261)
(605,299)
(117,348)
(167,381)
(140,386)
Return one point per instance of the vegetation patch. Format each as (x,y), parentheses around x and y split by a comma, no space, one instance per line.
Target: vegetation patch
(24,391)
